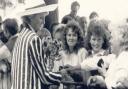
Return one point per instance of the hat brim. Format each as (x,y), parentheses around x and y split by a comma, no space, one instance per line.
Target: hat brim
(46,8)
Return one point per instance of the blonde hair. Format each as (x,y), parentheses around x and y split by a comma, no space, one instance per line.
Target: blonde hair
(121,32)
(124,37)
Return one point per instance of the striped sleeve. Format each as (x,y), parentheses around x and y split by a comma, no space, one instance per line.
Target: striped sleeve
(35,51)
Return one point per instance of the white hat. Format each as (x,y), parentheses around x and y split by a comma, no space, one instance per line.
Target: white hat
(36,6)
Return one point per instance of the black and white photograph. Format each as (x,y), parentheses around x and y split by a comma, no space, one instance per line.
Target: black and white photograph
(63,44)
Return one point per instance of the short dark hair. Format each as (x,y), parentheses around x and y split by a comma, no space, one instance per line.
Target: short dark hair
(75,28)
(66,19)
(11,26)
(93,14)
(75,3)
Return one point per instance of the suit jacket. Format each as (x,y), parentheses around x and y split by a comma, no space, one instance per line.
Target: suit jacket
(28,67)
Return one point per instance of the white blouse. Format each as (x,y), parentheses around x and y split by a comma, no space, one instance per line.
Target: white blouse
(91,62)
(71,59)
(118,71)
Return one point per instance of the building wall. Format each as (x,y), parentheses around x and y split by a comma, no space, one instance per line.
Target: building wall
(53,16)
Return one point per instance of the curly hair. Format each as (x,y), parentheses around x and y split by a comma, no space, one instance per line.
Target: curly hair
(77,30)
(99,30)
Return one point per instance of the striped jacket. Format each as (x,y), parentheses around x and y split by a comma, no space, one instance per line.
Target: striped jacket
(28,67)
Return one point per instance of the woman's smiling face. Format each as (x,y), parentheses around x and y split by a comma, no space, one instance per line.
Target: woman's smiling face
(71,38)
(96,43)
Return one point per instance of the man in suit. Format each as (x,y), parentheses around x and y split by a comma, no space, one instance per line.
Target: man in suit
(28,67)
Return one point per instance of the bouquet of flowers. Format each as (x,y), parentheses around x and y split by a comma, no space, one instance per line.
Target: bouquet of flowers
(52,49)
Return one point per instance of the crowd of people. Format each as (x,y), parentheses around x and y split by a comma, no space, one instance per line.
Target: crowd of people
(74,51)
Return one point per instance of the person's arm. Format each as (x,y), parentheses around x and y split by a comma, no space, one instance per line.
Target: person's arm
(83,53)
(37,60)
(89,64)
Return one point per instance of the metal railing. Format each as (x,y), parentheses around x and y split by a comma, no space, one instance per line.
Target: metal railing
(77,85)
